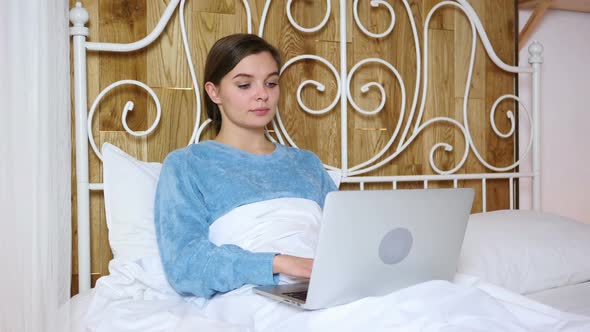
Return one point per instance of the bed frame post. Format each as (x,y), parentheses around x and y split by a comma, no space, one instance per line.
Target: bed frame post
(79,17)
(343,95)
(536,59)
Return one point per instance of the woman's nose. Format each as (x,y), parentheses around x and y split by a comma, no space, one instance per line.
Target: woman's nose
(261,93)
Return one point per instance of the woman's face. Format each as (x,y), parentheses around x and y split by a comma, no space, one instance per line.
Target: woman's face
(248,95)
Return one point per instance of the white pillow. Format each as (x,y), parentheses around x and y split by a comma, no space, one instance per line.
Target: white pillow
(336,176)
(526,251)
(129,191)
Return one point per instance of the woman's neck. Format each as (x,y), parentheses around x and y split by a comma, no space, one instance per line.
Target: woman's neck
(250,141)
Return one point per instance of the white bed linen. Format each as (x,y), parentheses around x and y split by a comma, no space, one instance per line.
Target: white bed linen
(79,305)
(136,297)
(572,298)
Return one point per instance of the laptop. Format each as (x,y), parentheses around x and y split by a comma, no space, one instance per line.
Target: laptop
(372,243)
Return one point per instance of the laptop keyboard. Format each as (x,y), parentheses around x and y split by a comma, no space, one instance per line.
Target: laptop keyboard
(302,295)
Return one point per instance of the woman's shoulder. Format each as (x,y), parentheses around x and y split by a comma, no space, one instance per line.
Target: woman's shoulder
(191,151)
(299,153)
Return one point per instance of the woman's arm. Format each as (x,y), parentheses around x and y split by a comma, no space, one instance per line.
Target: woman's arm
(327,184)
(193,264)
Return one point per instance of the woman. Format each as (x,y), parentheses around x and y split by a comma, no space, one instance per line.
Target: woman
(202,182)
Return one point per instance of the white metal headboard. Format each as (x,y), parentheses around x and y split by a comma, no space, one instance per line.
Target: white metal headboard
(349,173)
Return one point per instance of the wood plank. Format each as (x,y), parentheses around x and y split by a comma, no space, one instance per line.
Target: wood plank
(498,83)
(368,134)
(409,161)
(476,114)
(440,84)
(308,14)
(166,58)
(572,5)
(533,22)
(476,121)
(462,46)
(303,127)
(582,6)
(123,22)
(218,7)
(170,78)
(442,19)
(176,123)
(100,250)
(405,58)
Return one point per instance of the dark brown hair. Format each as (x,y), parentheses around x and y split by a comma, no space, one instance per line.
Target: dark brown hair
(225,54)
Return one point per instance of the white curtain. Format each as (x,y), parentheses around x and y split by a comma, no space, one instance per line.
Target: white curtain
(35,233)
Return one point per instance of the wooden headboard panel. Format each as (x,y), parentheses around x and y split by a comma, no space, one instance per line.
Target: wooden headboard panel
(163,67)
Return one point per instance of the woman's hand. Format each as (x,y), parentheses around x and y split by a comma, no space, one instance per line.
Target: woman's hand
(292,266)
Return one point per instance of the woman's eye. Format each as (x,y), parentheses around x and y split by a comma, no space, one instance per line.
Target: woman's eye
(271,84)
(244,86)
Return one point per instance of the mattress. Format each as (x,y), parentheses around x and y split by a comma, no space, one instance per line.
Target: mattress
(573,298)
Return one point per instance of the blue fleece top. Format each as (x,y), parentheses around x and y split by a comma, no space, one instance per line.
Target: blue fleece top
(204,181)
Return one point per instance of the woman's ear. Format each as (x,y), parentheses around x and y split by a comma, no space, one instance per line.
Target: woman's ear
(213,92)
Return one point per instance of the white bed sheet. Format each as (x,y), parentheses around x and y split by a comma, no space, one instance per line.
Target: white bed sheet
(572,298)
(136,296)
(466,305)
(95,311)
(79,305)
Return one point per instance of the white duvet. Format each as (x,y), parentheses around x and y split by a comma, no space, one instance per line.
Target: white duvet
(136,296)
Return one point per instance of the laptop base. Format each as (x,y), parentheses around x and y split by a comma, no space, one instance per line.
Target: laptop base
(284,293)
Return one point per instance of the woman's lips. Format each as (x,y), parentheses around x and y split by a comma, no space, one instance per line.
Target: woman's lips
(261,111)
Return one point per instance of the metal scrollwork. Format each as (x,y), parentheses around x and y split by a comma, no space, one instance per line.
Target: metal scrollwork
(128,108)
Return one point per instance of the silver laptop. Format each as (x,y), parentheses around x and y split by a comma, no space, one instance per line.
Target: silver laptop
(374,242)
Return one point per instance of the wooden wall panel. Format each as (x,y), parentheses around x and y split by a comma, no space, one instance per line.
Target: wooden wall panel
(440,84)
(163,66)
(373,132)
(122,22)
(501,151)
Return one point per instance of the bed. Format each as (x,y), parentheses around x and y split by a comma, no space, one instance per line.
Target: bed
(519,269)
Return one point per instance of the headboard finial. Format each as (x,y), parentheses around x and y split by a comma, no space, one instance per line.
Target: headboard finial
(536,52)
(78,17)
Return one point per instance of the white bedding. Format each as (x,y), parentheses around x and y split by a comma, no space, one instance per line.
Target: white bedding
(572,298)
(136,296)
(79,305)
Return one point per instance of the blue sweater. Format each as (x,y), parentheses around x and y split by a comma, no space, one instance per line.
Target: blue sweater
(204,181)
